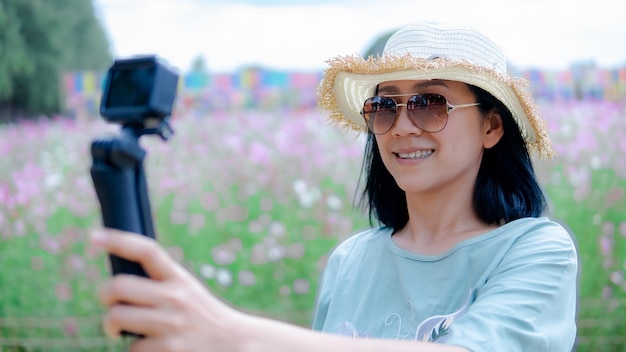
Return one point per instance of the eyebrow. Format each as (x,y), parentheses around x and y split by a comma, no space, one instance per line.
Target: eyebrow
(416,87)
(430,83)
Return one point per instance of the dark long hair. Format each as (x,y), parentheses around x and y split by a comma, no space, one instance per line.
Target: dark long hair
(506,188)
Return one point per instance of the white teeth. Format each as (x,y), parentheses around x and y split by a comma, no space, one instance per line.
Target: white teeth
(416,155)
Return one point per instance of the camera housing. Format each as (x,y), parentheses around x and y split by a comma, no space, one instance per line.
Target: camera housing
(138,89)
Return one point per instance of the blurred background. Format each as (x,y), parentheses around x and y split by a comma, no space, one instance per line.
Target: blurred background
(255,188)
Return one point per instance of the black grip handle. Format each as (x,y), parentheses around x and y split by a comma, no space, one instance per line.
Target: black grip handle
(120,184)
(118,198)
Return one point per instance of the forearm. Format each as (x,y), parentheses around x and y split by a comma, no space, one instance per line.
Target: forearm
(264,335)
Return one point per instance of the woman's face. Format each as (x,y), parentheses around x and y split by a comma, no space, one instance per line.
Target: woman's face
(448,160)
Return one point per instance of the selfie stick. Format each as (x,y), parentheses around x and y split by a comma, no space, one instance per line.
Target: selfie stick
(120,183)
(139,94)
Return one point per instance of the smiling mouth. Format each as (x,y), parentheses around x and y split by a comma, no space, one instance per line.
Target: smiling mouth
(420,154)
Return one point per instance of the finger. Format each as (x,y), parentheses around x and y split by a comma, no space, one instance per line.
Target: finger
(131,289)
(145,321)
(137,248)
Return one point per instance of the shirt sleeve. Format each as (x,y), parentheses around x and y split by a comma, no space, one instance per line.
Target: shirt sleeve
(528,302)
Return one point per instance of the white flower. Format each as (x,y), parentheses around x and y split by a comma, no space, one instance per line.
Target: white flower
(207,271)
(224,277)
(334,202)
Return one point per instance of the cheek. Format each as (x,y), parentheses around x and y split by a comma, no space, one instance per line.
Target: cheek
(461,142)
(465,129)
(383,150)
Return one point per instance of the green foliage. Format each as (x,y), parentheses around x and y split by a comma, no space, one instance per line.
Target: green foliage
(12,49)
(89,47)
(38,40)
(199,65)
(379,44)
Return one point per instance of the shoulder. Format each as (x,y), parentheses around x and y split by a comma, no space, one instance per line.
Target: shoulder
(357,252)
(543,231)
(527,242)
(524,234)
(359,243)
(362,238)
(531,224)
(538,241)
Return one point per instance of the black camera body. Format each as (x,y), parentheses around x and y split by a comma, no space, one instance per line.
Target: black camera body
(137,89)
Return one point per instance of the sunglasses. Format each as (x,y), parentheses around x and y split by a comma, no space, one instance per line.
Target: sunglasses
(428,111)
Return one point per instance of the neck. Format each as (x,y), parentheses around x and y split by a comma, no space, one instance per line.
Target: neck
(439,221)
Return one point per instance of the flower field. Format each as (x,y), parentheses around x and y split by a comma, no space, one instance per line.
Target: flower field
(252,202)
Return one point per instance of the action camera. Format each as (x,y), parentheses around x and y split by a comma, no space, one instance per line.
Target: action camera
(137,89)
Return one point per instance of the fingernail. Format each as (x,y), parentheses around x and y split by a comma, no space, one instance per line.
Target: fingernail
(98,237)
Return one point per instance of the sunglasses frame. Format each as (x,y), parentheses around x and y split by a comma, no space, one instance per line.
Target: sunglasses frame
(449,107)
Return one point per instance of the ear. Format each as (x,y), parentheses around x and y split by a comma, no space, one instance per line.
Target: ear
(492,129)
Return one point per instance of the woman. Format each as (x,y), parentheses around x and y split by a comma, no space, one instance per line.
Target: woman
(462,259)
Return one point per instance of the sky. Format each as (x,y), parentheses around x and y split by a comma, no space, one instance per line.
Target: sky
(304,34)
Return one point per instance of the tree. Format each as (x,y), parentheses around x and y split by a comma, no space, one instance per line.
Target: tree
(40,39)
(89,48)
(378,46)
(199,65)
(13,51)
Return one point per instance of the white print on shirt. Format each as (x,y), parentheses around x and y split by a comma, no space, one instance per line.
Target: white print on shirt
(432,329)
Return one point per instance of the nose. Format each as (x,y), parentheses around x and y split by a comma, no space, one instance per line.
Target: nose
(404,125)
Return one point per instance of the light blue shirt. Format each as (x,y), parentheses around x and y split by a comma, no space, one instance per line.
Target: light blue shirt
(510,289)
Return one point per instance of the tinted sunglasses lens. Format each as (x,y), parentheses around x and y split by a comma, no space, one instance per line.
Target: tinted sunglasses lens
(428,111)
(379,114)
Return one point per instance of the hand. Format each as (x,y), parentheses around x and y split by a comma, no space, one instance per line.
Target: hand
(172,309)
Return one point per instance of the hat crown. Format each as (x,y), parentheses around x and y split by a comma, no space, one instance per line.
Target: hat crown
(452,42)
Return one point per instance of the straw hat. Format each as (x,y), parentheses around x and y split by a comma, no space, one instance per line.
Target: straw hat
(430,51)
